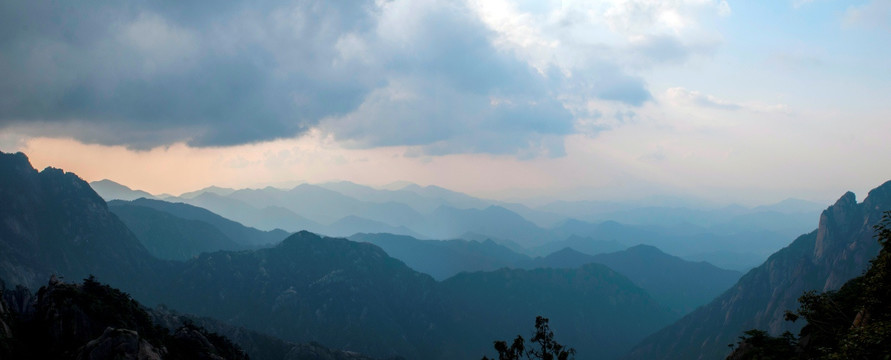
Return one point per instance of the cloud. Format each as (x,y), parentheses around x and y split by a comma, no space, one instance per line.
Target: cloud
(684,97)
(156,75)
(440,76)
(875,14)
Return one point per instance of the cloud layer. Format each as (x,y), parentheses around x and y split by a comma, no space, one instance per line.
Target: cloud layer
(440,76)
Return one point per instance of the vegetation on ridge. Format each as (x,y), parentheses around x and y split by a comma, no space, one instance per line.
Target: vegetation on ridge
(851,323)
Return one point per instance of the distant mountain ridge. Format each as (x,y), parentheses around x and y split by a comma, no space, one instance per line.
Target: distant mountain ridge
(307,288)
(235,231)
(169,237)
(838,250)
(110,190)
(676,283)
(430,212)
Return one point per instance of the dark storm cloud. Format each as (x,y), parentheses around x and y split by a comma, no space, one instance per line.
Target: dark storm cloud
(220,73)
(144,74)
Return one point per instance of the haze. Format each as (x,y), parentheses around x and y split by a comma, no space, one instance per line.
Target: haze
(748,102)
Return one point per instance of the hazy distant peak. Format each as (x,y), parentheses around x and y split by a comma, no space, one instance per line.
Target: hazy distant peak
(398,185)
(792,205)
(110,190)
(646,250)
(213,189)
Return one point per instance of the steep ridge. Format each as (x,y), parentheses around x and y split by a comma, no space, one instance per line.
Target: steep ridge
(52,222)
(824,259)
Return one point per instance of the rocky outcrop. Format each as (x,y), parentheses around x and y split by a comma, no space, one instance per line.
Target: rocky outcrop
(258,346)
(121,344)
(91,321)
(837,251)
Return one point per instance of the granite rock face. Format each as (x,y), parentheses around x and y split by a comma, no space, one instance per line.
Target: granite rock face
(837,251)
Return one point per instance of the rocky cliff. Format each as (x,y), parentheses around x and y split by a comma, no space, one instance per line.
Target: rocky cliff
(838,250)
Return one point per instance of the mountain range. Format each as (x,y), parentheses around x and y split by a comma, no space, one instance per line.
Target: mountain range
(310,288)
(355,296)
(722,236)
(675,283)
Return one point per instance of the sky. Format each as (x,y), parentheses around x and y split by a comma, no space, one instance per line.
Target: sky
(746,102)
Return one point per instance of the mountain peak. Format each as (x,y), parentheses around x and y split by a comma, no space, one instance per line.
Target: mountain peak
(879,195)
(846,200)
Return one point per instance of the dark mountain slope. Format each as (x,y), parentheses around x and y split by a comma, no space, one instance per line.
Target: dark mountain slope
(682,285)
(53,222)
(593,308)
(308,288)
(679,284)
(353,296)
(837,251)
(95,321)
(235,231)
(170,237)
(259,346)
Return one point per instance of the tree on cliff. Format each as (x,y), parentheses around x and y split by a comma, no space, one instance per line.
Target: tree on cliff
(543,346)
(851,323)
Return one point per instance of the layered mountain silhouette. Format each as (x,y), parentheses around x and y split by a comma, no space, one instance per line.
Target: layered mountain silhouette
(731,237)
(676,283)
(838,250)
(443,259)
(110,190)
(336,292)
(235,231)
(169,237)
(593,307)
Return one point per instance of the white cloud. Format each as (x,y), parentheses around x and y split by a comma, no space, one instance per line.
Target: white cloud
(679,96)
